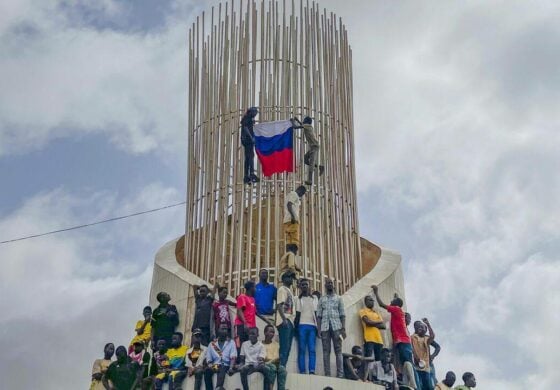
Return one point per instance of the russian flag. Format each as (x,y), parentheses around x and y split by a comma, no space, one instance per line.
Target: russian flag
(274,144)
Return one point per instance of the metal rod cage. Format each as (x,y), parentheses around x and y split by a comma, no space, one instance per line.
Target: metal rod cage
(287,60)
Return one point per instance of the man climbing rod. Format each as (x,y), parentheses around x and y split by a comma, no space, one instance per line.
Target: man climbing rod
(248,142)
(310,157)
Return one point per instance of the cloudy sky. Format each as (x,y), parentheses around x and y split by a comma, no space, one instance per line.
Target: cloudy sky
(457,120)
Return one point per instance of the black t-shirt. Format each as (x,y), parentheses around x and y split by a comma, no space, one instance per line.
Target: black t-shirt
(122,375)
(247,122)
(163,325)
(203,312)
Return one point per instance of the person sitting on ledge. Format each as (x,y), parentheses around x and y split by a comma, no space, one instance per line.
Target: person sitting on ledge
(355,366)
(447,383)
(383,372)
(251,358)
(100,367)
(164,319)
(469,382)
(143,329)
(196,355)
(274,371)
(177,370)
(122,374)
(220,357)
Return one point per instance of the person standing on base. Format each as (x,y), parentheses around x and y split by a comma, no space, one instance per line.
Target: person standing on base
(372,322)
(203,301)
(265,296)
(248,142)
(246,313)
(401,339)
(306,326)
(421,351)
(331,323)
(285,317)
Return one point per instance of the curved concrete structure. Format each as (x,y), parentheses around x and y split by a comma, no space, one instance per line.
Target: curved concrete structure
(172,277)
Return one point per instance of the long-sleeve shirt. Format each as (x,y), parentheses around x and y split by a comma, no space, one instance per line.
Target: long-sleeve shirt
(330,310)
(225,355)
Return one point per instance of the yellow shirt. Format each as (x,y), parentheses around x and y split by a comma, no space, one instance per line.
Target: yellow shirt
(371,333)
(272,351)
(422,349)
(144,337)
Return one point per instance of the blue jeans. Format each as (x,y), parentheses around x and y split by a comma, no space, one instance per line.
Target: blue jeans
(433,374)
(425,380)
(285,336)
(306,342)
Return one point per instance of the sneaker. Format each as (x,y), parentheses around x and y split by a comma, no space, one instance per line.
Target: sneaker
(254,178)
(247,180)
(307,182)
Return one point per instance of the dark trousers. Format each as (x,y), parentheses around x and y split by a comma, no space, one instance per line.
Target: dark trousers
(249,168)
(206,337)
(242,335)
(425,381)
(326,338)
(373,349)
(221,372)
(248,370)
(198,375)
(405,352)
(285,336)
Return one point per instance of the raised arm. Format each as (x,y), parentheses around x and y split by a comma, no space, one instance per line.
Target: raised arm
(431,334)
(195,288)
(379,301)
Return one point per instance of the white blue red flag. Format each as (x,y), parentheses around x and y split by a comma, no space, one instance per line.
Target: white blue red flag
(274,143)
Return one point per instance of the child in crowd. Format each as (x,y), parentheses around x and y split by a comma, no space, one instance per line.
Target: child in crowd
(143,329)
(273,369)
(176,371)
(195,358)
(251,358)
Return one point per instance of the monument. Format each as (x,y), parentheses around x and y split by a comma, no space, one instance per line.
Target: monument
(288,59)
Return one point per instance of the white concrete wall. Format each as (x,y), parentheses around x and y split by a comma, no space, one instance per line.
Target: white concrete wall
(174,279)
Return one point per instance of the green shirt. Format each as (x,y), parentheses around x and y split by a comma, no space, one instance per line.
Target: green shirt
(122,375)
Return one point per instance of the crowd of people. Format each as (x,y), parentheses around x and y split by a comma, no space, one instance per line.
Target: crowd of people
(223,344)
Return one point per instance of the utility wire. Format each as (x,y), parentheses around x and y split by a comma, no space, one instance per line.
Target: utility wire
(93,223)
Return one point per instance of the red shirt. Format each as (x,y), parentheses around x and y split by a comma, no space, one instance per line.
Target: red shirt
(398,325)
(247,304)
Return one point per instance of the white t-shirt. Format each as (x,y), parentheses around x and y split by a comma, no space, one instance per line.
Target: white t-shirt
(252,352)
(307,306)
(293,198)
(285,297)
